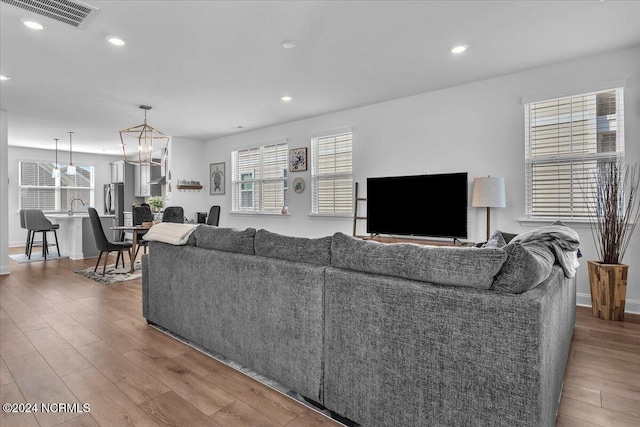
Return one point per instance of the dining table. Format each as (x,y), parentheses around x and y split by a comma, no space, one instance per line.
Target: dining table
(134,243)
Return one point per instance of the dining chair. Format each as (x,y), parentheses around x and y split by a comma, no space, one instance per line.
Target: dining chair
(173,214)
(23,225)
(214,215)
(36,222)
(104,245)
(141,214)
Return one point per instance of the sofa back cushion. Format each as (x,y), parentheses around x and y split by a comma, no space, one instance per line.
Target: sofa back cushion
(225,239)
(525,268)
(302,249)
(472,267)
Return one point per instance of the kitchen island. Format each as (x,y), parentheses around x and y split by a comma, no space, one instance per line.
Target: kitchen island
(75,235)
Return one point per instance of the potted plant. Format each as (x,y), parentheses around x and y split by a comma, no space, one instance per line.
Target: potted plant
(615,211)
(157,202)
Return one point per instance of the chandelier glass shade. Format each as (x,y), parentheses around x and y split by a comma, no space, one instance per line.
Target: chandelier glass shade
(71,169)
(146,141)
(55,173)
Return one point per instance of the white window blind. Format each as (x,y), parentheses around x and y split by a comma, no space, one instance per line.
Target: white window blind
(38,190)
(259,178)
(332,174)
(566,141)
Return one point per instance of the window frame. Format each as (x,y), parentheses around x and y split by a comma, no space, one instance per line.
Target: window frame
(240,186)
(577,208)
(317,176)
(57,187)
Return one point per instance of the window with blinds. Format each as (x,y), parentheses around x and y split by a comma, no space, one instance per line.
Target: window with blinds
(38,190)
(259,179)
(332,174)
(566,141)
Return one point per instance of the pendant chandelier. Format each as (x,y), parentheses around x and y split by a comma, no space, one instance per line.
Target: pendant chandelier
(146,139)
(55,173)
(71,169)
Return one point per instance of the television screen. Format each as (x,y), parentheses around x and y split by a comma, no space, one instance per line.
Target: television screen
(419,205)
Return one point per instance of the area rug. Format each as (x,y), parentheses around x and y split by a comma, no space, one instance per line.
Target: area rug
(112,275)
(35,257)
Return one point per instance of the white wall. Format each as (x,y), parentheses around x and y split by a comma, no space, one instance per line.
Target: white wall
(17,236)
(185,160)
(4,198)
(478,128)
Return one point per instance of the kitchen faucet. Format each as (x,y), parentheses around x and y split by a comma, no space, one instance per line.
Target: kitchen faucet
(75,200)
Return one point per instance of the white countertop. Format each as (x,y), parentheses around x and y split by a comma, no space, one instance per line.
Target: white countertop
(75,215)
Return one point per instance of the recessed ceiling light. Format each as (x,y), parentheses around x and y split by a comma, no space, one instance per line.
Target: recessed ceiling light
(3,78)
(116,41)
(459,49)
(288,44)
(33,25)
(286,98)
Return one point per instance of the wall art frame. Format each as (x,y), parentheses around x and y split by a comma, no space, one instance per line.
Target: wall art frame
(298,159)
(216,179)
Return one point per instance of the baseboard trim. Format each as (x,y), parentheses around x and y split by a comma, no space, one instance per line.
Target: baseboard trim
(630,305)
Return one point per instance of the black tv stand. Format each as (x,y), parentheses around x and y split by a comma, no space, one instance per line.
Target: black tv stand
(390,239)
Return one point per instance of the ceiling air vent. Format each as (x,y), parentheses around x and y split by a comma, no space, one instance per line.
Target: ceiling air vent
(75,13)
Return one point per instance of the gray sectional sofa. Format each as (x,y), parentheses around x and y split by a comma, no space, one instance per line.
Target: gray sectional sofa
(382,334)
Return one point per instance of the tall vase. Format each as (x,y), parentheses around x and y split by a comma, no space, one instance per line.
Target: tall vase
(608,289)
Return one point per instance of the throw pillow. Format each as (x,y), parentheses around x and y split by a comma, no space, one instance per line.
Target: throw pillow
(495,241)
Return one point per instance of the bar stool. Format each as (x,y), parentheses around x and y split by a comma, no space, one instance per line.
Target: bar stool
(36,222)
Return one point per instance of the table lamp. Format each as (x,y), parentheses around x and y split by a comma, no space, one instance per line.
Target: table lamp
(488,193)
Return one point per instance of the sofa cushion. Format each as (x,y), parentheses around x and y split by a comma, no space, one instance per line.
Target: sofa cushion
(472,267)
(225,239)
(312,251)
(525,268)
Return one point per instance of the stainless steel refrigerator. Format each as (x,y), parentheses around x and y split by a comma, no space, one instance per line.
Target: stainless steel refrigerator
(114,201)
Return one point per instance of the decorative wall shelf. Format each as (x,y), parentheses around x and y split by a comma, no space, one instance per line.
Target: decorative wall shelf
(189,187)
(183,184)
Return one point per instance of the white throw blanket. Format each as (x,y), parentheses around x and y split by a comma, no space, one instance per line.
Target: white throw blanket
(170,232)
(562,241)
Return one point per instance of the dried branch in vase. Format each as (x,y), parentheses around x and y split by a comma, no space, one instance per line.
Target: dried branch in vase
(615,210)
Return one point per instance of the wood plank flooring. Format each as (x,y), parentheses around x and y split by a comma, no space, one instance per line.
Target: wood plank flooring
(68,339)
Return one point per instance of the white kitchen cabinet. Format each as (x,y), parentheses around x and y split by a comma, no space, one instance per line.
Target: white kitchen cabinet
(118,171)
(143,174)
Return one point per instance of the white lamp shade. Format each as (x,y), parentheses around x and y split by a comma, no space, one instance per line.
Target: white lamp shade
(488,192)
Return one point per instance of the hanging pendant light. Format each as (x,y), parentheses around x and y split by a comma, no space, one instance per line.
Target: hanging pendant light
(71,169)
(56,171)
(146,137)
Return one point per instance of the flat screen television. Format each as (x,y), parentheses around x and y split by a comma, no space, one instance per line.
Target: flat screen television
(418,205)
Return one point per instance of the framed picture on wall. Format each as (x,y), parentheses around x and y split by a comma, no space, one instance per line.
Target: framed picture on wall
(216,178)
(298,159)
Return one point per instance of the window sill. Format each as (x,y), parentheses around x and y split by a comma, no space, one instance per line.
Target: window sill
(332,216)
(258,213)
(542,221)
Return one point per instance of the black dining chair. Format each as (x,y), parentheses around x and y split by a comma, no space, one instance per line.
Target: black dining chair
(173,214)
(214,215)
(36,222)
(105,245)
(23,225)
(141,214)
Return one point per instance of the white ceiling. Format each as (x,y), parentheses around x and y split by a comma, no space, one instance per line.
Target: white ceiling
(207,67)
